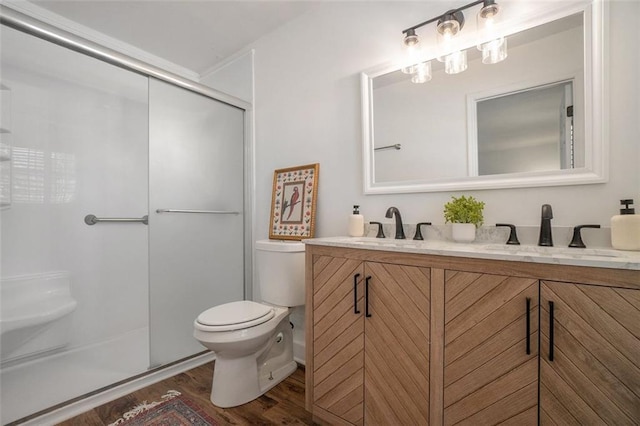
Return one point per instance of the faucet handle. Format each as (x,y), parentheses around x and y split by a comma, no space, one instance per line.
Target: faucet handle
(380,230)
(576,241)
(418,235)
(513,236)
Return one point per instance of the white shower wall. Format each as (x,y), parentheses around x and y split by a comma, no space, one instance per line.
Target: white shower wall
(79,136)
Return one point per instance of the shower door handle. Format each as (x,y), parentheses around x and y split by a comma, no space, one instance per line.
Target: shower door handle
(91,219)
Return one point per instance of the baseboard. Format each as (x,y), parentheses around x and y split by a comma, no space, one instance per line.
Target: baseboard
(109,394)
(299,352)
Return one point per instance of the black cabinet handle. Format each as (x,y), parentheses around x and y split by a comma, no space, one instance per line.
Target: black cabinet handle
(550,331)
(366,297)
(528,326)
(355,294)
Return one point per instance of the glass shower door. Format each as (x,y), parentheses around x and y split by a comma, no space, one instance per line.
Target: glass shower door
(196,198)
(73,297)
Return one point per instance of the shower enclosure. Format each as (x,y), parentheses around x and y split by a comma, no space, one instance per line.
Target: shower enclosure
(123,201)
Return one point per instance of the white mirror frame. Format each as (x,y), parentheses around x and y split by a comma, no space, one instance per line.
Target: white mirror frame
(596,170)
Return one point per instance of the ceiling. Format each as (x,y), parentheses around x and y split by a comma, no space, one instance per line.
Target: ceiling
(196,34)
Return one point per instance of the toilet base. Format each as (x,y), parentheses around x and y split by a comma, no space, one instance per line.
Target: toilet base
(236,389)
(238,380)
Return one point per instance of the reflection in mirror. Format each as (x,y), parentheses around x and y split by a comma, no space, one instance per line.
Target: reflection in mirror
(527,131)
(478,129)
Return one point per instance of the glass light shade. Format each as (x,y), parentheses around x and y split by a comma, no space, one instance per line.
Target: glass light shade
(455,62)
(487,19)
(412,52)
(494,51)
(448,27)
(489,12)
(422,73)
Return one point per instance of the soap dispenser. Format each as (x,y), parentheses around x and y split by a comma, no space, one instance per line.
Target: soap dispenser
(356,223)
(625,228)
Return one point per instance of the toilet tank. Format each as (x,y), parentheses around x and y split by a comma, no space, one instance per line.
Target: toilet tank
(280,272)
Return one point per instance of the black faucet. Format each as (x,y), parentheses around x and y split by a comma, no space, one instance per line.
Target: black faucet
(513,235)
(399,229)
(380,230)
(576,241)
(545,227)
(418,235)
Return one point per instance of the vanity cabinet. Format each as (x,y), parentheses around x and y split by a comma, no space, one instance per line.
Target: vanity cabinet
(454,340)
(590,354)
(370,342)
(490,349)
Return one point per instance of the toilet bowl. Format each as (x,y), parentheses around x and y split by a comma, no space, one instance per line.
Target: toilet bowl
(253,342)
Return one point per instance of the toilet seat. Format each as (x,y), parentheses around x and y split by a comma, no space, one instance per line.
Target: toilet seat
(235,316)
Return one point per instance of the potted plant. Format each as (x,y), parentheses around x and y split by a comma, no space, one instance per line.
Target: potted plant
(465,213)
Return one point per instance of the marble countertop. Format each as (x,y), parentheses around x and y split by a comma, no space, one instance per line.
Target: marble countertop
(594,257)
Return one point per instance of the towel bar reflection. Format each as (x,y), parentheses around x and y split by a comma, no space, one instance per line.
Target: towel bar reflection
(91,219)
(394,146)
(195,211)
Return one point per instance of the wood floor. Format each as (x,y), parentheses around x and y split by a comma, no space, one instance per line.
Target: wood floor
(282,405)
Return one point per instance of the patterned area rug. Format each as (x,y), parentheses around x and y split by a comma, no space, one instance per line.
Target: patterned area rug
(173,410)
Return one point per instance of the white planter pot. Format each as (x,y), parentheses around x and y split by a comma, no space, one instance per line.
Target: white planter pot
(463,232)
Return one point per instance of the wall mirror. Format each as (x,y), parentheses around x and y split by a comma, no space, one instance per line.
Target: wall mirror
(534,119)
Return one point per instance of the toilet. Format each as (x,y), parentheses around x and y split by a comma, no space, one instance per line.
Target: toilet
(253,342)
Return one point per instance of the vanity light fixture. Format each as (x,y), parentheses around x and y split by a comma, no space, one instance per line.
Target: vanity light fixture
(448,25)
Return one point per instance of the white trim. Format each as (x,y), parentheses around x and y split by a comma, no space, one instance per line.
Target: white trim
(90,34)
(226,62)
(596,98)
(82,406)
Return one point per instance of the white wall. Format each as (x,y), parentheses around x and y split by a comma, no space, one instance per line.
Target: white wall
(307,105)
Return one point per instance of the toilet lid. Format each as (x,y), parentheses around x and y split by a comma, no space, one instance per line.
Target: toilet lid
(234,315)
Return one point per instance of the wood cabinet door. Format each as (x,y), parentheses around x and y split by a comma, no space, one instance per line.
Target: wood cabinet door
(590,355)
(397,345)
(491,349)
(338,337)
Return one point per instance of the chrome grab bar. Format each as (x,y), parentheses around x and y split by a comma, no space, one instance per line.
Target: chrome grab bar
(91,219)
(195,211)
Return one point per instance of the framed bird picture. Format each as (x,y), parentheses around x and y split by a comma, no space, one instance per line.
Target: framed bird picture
(293,202)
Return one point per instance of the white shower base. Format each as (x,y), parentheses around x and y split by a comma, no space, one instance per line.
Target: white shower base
(31,386)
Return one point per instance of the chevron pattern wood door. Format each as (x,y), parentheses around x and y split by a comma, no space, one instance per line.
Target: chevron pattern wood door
(338,338)
(397,345)
(594,377)
(488,376)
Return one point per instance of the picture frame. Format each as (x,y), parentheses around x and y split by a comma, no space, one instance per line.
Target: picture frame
(293,202)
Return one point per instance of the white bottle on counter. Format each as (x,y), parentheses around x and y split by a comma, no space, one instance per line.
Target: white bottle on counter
(356,223)
(625,228)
